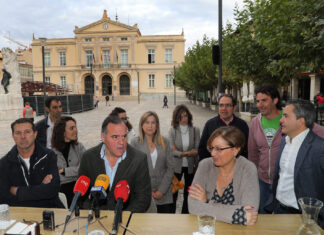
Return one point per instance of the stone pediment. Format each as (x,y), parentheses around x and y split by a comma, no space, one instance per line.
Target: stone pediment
(105,25)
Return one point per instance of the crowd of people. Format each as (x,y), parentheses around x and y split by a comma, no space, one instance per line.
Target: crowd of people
(232,172)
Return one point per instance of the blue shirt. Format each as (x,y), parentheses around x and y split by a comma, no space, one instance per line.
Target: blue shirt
(111,172)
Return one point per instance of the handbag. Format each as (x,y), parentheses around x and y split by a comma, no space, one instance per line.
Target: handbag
(176,184)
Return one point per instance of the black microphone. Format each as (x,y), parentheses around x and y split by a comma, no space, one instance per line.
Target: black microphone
(121,194)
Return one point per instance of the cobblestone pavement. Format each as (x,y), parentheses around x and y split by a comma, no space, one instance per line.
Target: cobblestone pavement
(89,123)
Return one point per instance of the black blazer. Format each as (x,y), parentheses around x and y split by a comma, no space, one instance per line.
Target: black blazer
(308,171)
(41,127)
(133,169)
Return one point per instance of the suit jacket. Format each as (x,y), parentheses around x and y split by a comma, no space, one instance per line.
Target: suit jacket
(162,174)
(133,169)
(41,127)
(176,140)
(308,170)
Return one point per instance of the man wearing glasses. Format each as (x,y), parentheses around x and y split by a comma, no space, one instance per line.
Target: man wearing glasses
(119,161)
(225,117)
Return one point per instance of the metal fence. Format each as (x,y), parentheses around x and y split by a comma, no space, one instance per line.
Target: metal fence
(70,103)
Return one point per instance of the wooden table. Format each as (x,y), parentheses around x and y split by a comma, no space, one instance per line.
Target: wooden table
(156,224)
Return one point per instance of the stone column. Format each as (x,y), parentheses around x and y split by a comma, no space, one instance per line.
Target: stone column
(294,88)
(314,85)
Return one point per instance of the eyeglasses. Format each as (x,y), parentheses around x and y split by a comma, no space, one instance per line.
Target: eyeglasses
(225,105)
(218,150)
(124,118)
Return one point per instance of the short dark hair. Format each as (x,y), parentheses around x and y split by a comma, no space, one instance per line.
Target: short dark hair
(270,91)
(304,109)
(23,120)
(119,110)
(229,96)
(114,119)
(58,141)
(49,100)
(231,134)
(176,116)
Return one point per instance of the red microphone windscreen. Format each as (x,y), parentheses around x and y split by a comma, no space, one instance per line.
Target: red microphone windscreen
(82,185)
(122,190)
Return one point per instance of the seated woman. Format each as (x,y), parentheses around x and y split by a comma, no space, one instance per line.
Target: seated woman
(160,160)
(121,113)
(69,153)
(184,139)
(226,185)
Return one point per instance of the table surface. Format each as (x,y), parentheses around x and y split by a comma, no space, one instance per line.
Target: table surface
(148,224)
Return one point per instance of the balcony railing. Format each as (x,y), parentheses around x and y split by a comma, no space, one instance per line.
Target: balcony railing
(106,66)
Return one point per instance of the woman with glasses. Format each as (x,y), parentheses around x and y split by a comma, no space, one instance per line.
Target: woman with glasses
(69,152)
(159,159)
(226,185)
(121,113)
(184,139)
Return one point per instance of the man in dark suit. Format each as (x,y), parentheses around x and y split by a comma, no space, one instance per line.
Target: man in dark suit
(119,161)
(45,126)
(299,168)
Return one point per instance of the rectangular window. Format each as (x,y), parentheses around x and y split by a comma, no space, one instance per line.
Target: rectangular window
(123,39)
(87,39)
(63,81)
(106,58)
(105,39)
(47,79)
(168,55)
(151,80)
(62,58)
(168,81)
(47,59)
(124,57)
(89,58)
(151,56)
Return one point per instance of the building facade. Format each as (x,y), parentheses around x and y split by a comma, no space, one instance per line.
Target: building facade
(110,58)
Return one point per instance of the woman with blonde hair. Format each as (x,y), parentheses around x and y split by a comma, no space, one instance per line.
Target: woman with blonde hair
(159,158)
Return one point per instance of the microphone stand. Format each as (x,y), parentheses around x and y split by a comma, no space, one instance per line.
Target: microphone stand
(77,215)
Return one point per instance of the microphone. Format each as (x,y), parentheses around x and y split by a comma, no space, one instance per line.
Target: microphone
(98,192)
(121,194)
(80,188)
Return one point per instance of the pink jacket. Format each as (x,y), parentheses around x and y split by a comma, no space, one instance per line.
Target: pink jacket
(263,156)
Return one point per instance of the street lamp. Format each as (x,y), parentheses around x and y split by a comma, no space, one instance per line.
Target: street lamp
(43,44)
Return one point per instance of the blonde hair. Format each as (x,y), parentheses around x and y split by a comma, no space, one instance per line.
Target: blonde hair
(157,134)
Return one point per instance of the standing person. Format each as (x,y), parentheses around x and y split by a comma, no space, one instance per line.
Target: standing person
(159,159)
(28,172)
(165,102)
(184,140)
(299,168)
(107,100)
(96,102)
(264,139)
(119,161)
(69,153)
(121,113)
(226,185)
(28,112)
(225,117)
(45,126)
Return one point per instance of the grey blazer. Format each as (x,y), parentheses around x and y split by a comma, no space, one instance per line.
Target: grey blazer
(176,140)
(162,174)
(75,155)
(245,189)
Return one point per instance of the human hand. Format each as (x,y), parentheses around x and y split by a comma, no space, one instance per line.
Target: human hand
(60,171)
(13,190)
(251,216)
(157,194)
(197,192)
(192,153)
(47,179)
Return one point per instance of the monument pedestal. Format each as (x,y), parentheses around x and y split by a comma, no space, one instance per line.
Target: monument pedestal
(11,106)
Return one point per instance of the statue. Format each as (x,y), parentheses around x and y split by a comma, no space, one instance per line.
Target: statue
(5,80)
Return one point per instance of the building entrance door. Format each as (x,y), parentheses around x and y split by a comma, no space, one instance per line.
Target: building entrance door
(124,85)
(89,85)
(106,85)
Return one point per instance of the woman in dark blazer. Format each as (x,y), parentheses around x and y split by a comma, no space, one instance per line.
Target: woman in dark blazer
(159,158)
(184,140)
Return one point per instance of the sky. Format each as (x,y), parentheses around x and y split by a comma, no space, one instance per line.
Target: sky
(20,19)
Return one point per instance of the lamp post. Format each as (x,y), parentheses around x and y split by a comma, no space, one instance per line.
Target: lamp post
(220,26)
(43,44)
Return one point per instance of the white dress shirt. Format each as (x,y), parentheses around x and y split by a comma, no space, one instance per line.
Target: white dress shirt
(49,133)
(154,156)
(285,189)
(185,142)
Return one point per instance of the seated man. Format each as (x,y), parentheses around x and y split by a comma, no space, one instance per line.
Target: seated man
(299,168)
(28,173)
(120,161)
